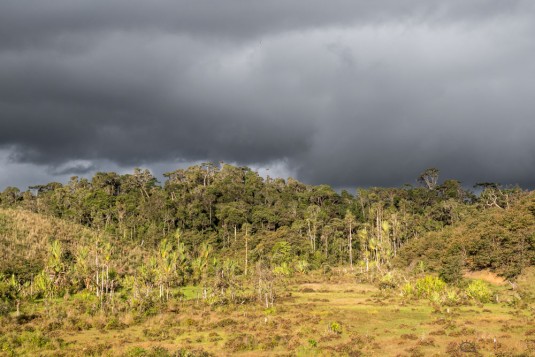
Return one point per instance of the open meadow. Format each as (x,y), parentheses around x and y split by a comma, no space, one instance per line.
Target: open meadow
(315,314)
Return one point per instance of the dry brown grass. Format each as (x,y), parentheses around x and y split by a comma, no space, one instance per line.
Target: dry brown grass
(302,326)
(26,237)
(487,276)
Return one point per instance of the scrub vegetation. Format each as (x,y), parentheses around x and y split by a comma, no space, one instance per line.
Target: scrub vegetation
(220,261)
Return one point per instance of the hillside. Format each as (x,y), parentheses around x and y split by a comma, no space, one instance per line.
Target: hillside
(219,260)
(25,238)
(501,240)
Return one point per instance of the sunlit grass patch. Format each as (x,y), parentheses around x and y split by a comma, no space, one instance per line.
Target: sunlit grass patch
(331,319)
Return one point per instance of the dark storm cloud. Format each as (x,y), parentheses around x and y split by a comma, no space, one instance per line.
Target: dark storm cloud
(118,102)
(29,22)
(342,92)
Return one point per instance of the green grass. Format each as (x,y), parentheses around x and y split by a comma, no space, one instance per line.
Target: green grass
(366,321)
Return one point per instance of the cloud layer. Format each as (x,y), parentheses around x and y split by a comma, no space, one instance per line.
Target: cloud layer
(345,93)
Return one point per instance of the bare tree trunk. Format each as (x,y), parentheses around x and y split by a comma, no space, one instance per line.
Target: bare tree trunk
(310,235)
(107,278)
(367,258)
(314,236)
(350,246)
(326,245)
(98,286)
(362,206)
(246,251)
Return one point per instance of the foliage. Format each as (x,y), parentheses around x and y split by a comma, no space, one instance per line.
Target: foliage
(387,281)
(429,285)
(223,236)
(282,270)
(451,270)
(479,290)
(452,297)
(335,327)
(498,239)
(302,266)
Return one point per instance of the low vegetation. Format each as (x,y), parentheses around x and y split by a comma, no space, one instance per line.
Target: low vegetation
(218,260)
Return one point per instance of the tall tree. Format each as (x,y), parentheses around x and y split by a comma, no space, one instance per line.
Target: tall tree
(350,222)
(429,177)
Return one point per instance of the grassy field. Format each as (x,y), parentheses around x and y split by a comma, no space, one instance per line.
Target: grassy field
(314,315)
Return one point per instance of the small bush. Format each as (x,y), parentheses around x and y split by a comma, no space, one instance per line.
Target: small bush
(408,291)
(136,352)
(435,297)
(452,297)
(427,286)
(451,270)
(34,339)
(335,327)
(282,270)
(159,351)
(387,282)
(114,324)
(479,291)
(302,266)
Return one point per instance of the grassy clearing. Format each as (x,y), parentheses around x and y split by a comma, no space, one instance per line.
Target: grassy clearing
(319,317)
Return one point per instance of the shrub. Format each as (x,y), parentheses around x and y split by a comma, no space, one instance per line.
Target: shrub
(281,252)
(113,323)
(451,270)
(34,340)
(159,351)
(421,267)
(479,291)
(335,327)
(407,291)
(435,297)
(282,270)
(425,287)
(302,266)
(452,297)
(387,282)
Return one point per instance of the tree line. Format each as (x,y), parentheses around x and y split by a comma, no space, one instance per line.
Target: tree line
(240,213)
(226,229)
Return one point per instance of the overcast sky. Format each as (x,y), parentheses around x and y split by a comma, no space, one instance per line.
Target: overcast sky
(344,92)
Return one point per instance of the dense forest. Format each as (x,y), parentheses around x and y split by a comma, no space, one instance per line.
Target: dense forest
(246,218)
(133,243)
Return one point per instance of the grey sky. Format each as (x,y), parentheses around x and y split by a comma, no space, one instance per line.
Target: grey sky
(349,93)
